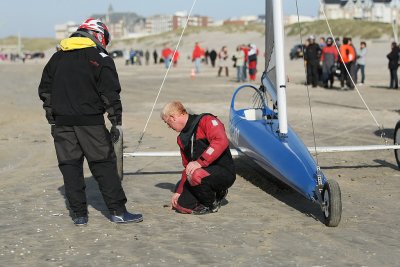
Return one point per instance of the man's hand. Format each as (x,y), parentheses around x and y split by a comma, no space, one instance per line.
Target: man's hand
(174,199)
(115,133)
(191,167)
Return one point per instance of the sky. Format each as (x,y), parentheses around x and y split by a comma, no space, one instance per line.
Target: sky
(38,18)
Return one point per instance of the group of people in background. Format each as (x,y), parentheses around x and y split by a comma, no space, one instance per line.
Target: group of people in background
(244,59)
(324,63)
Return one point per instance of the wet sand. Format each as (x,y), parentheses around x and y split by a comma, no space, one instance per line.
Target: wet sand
(262,223)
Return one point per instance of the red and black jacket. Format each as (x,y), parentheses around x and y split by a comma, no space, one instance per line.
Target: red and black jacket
(203,139)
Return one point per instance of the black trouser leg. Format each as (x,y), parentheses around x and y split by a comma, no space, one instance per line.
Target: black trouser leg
(75,186)
(94,142)
(109,185)
(70,162)
(204,193)
(99,152)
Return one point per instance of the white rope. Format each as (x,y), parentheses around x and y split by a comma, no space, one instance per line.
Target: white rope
(348,73)
(166,74)
(308,91)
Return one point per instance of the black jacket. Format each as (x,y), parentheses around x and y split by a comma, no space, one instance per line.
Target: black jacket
(393,57)
(79,84)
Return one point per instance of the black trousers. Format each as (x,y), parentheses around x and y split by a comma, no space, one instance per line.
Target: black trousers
(204,193)
(72,144)
(312,73)
(394,81)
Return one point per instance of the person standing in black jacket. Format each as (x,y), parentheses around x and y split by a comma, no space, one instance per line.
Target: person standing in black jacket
(393,65)
(78,85)
(311,56)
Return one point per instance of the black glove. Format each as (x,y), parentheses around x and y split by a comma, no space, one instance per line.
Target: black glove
(114,132)
(52,129)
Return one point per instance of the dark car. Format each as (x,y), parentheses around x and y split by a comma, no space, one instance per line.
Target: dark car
(116,53)
(296,51)
(34,55)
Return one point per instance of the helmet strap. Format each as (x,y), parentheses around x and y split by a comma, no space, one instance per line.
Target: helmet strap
(91,37)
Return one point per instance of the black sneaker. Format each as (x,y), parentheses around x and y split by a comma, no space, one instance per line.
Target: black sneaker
(219,196)
(80,221)
(215,206)
(126,217)
(201,210)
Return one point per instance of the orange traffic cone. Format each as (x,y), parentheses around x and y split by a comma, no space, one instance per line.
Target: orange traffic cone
(192,74)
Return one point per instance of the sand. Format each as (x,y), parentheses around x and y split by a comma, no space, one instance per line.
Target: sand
(262,223)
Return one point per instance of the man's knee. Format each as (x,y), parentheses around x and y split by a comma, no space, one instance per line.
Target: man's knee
(197,176)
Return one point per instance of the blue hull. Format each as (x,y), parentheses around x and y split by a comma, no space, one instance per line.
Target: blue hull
(286,158)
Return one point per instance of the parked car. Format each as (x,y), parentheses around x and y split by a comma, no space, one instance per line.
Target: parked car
(296,51)
(116,53)
(34,55)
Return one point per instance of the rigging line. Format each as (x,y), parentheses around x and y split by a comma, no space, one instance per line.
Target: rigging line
(351,78)
(165,76)
(308,89)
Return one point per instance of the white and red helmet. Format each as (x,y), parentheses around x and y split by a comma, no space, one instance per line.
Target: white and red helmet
(98,29)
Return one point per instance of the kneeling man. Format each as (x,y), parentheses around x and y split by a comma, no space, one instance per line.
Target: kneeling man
(209,168)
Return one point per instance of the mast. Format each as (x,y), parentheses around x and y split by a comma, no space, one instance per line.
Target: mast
(280,66)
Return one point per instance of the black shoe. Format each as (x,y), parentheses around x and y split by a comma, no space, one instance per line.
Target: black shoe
(80,221)
(215,206)
(126,217)
(201,210)
(219,196)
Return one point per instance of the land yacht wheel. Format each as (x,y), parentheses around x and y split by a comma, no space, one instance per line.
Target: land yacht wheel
(332,203)
(396,138)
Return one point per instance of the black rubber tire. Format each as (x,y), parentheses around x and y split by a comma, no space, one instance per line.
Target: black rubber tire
(396,139)
(332,199)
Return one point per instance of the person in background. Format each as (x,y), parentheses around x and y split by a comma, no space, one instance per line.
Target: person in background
(175,58)
(311,57)
(166,54)
(197,54)
(206,56)
(346,60)
(362,53)
(245,49)
(78,85)
(208,165)
(213,57)
(353,65)
(393,65)
(223,61)
(155,56)
(127,56)
(147,57)
(239,56)
(252,57)
(329,57)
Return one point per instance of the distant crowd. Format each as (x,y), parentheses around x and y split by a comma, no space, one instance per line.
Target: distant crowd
(244,60)
(324,63)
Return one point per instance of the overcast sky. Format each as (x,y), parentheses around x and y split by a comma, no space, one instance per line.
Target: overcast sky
(37,18)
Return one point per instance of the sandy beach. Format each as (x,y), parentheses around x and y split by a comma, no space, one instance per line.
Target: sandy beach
(262,223)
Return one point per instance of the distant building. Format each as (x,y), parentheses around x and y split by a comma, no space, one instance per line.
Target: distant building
(120,24)
(158,24)
(179,20)
(371,10)
(164,23)
(65,30)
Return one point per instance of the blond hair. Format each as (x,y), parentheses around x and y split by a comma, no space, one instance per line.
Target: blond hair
(172,108)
